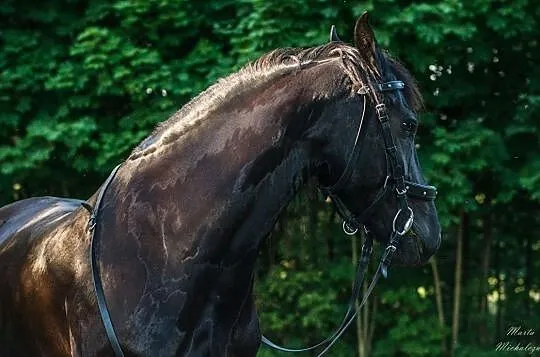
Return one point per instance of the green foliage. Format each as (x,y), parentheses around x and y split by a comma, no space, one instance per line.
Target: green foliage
(291,290)
(83,82)
(414,330)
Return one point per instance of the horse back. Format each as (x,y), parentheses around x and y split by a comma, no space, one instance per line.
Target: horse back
(26,229)
(32,215)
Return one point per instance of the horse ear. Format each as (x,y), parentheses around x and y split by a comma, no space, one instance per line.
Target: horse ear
(364,38)
(333,35)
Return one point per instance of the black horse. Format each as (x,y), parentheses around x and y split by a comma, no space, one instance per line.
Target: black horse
(181,222)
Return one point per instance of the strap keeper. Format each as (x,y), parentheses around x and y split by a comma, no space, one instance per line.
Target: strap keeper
(381,112)
(387,259)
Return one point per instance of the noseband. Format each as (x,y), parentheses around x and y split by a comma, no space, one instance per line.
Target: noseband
(395,182)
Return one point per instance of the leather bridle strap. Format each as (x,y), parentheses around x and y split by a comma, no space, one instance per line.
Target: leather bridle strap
(381,270)
(365,255)
(395,171)
(367,249)
(390,86)
(349,167)
(352,309)
(402,188)
(420,191)
(96,274)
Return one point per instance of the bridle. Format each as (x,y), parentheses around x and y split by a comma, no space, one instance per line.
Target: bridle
(395,179)
(395,182)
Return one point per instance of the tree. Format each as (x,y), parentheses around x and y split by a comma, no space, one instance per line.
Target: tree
(83,82)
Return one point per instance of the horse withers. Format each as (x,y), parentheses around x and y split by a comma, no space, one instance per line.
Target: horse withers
(180,224)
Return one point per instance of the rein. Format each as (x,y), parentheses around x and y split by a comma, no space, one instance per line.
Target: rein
(394,181)
(401,187)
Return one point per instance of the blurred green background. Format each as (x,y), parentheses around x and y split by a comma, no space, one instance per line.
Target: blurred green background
(81,82)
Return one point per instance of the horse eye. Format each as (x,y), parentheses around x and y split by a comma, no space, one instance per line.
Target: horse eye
(408,125)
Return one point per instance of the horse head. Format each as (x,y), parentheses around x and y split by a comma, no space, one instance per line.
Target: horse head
(371,168)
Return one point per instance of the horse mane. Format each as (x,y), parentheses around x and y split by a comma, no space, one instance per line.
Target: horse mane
(274,64)
(390,66)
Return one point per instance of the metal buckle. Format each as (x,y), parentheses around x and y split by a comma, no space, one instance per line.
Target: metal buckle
(390,249)
(401,192)
(408,224)
(350,231)
(363,90)
(381,111)
(91,222)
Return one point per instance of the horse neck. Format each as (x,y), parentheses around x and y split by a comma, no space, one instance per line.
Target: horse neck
(215,192)
(189,217)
